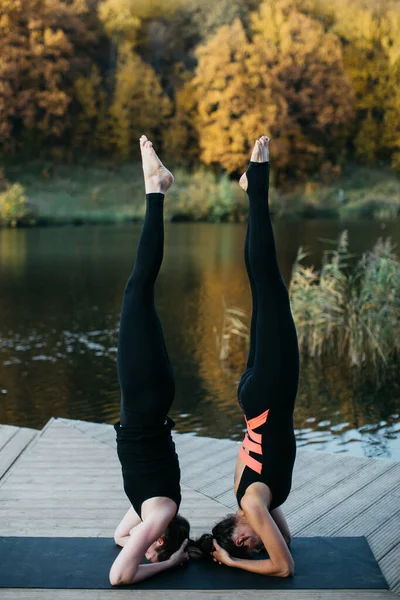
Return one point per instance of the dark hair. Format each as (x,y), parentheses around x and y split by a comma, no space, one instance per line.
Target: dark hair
(175,534)
(222,532)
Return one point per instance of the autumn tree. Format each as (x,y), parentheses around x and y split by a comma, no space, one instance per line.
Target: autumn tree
(288,82)
(40,46)
(123,18)
(180,137)
(307,60)
(370,35)
(139,105)
(91,126)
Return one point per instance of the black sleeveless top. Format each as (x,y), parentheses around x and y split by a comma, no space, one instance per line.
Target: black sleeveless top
(149,462)
(271,445)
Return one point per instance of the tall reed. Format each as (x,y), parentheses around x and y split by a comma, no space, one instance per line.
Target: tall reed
(349,313)
(344,312)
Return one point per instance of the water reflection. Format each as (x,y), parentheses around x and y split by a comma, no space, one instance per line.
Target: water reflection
(60,298)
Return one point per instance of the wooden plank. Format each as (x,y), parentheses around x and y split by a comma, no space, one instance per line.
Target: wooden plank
(6,433)
(303,520)
(228,499)
(333,477)
(390,565)
(56,492)
(371,520)
(15,446)
(207,479)
(386,537)
(69,472)
(342,503)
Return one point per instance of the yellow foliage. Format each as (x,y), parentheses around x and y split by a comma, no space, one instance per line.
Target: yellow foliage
(122,18)
(13,204)
(91,126)
(371,36)
(36,52)
(288,83)
(140,105)
(180,139)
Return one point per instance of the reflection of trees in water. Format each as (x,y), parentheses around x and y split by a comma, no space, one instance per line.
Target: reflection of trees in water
(178,301)
(214,254)
(72,280)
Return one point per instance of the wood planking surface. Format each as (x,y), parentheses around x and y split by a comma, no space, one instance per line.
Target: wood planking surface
(332,494)
(65,473)
(68,484)
(13,441)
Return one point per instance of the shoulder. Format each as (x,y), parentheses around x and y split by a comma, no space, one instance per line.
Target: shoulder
(258,496)
(158,511)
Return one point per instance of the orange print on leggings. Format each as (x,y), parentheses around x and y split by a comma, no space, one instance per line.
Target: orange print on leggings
(252,442)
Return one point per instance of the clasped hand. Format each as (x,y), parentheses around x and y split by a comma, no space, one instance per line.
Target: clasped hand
(220,555)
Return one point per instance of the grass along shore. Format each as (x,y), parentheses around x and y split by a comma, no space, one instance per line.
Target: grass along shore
(41,193)
(348,315)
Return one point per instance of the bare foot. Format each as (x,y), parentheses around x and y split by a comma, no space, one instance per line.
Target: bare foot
(260,154)
(157,178)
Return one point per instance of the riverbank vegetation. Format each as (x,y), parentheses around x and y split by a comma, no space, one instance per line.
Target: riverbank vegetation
(44,193)
(84,79)
(348,312)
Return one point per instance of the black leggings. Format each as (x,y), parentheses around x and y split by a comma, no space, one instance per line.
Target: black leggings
(272,370)
(144,370)
(268,387)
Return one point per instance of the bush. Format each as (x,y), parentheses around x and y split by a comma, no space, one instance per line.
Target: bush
(14,206)
(202,196)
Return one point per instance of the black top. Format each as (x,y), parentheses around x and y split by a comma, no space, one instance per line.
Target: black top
(277,460)
(149,462)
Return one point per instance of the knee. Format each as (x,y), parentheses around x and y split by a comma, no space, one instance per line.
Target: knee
(117,537)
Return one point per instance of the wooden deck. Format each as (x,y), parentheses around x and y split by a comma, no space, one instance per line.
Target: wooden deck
(65,481)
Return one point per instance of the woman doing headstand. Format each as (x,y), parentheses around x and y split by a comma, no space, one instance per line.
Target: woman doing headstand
(146,451)
(266,393)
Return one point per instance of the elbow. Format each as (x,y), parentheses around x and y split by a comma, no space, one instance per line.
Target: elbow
(118,578)
(117,539)
(286,570)
(114,580)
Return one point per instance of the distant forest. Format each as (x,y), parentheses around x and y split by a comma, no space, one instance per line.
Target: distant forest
(203,78)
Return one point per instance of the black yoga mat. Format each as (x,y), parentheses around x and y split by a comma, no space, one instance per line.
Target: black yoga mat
(84,563)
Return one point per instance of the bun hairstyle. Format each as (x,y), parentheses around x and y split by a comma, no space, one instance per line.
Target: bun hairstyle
(222,532)
(202,547)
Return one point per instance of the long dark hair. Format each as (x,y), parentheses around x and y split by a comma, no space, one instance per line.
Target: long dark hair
(222,532)
(175,534)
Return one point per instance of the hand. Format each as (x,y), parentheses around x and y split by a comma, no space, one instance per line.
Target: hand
(180,556)
(220,555)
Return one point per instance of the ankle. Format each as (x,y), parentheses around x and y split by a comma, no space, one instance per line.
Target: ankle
(155,189)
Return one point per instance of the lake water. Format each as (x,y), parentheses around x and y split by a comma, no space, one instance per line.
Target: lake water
(60,297)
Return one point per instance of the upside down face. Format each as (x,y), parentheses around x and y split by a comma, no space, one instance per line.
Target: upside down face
(152,552)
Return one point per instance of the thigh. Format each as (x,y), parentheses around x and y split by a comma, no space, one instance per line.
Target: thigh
(142,358)
(276,354)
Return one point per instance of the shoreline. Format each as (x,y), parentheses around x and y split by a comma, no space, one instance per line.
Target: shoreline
(42,194)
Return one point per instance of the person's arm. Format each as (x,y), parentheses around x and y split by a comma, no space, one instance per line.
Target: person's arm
(129,571)
(281,522)
(126,568)
(122,533)
(280,562)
